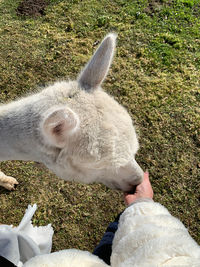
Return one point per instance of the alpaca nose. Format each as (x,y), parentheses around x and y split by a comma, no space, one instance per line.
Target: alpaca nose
(132,177)
(137,173)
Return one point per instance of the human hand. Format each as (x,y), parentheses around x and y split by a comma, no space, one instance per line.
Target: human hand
(143,190)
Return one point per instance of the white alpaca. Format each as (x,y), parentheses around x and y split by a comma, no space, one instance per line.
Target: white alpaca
(76,129)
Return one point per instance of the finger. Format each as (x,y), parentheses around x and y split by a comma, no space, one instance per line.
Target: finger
(146,175)
(129,198)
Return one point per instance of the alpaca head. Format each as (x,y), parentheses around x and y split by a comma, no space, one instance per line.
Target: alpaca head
(94,135)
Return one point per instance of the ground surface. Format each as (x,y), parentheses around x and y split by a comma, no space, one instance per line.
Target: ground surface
(155,75)
(32,8)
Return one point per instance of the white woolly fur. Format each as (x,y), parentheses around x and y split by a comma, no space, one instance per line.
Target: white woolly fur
(75,128)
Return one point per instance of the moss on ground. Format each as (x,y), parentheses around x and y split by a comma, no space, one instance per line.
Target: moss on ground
(155,75)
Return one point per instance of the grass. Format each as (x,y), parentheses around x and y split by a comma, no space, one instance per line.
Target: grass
(155,75)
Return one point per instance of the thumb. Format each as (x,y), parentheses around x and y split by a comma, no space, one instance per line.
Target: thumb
(129,198)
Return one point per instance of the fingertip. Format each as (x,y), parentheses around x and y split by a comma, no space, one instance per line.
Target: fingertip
(146,174)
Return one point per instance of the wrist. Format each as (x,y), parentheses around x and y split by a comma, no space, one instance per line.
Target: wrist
(141,199)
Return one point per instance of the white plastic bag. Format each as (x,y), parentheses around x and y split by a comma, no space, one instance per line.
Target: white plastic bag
(19,244)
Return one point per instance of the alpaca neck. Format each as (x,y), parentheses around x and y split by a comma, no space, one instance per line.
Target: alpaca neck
(18,130)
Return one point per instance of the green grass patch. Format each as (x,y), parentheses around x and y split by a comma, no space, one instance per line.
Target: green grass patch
(155,75)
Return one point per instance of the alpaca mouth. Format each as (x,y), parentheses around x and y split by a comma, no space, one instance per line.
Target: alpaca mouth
(125,187)
(132,191)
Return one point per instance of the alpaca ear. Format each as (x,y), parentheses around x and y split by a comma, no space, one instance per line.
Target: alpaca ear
(58,124)
(97,68)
